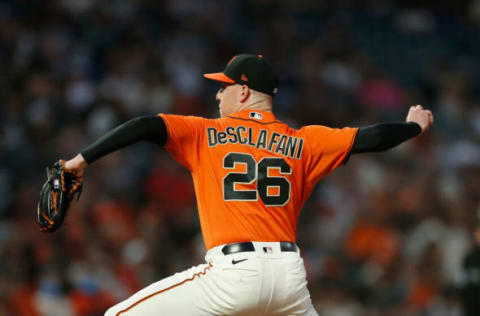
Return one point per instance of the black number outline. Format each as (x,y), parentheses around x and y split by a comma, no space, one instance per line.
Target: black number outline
(231,184)
(239,173)
(275,177)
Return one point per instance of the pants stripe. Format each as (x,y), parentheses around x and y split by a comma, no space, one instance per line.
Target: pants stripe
(164,290)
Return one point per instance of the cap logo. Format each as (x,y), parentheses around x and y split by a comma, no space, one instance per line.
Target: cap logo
(231,60)
(244,78)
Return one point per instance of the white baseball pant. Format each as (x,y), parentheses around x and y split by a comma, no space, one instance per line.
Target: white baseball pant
(266,281)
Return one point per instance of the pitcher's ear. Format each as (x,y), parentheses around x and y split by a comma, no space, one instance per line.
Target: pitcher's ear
(244,93)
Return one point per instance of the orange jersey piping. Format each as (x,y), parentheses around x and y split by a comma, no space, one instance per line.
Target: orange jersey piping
(164,290)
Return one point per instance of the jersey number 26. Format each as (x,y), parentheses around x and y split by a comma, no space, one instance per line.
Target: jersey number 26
(259,172)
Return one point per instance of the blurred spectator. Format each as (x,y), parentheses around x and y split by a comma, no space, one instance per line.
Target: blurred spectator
(470,285)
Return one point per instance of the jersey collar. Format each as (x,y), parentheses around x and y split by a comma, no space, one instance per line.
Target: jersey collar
(253,115)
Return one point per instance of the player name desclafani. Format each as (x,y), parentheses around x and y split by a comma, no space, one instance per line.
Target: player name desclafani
(286,145)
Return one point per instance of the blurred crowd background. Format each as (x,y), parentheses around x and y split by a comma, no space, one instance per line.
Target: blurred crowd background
(384,235)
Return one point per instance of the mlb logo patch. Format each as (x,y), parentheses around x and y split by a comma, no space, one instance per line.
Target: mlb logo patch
(256,115)
(267,250)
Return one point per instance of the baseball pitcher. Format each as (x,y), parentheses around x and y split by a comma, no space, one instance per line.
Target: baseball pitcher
(252,174)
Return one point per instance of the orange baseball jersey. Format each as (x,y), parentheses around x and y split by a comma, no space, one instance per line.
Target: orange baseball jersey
(252,173)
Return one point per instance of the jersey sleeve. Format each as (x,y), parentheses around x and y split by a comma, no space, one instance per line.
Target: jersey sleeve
(327,149)
(184,134)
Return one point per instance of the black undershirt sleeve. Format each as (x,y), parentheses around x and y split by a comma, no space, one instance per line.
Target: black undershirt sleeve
(146,128)
(383,136)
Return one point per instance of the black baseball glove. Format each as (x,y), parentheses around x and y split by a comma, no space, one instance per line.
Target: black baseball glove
(56,196)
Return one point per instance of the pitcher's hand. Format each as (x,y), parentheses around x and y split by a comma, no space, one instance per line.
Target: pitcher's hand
(419,115)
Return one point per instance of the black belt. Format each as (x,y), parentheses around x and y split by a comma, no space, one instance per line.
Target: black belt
(248,246)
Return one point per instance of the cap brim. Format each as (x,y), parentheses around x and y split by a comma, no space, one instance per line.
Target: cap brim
(219,76)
